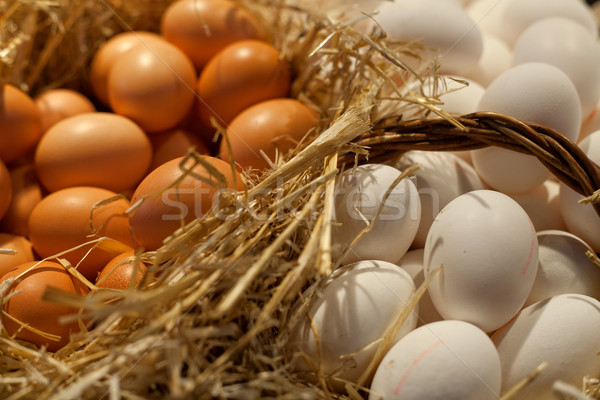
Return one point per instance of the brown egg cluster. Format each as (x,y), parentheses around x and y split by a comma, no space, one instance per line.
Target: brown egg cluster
(76,170)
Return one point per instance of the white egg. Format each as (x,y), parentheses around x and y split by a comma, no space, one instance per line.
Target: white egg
(534,92)
(412,262)
(359,194)
(449,360)
(568,46)
(489,15)
(495,59)
(520,14)
(563,267)
(442,27)
(488,249)
(441,178)
(352,312)
(562,331)
(543,206)
(459,95)
(581,219)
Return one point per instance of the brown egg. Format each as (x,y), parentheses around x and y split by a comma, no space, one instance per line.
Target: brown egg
(6,190)
(58,104)
(21,245)
(61,221)
(153,85)
(273,126)
(111,51)
(174,143)
(120,271)
(26,193)
(242,74)
(20,124)
(200,28)
(93,149)
(159,216)
(29,308)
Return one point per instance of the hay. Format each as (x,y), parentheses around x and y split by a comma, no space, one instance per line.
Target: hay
(219,300)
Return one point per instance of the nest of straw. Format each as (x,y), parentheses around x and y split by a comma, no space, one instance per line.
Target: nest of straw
(213,315)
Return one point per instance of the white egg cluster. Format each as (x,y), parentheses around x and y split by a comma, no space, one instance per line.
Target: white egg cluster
(501,243)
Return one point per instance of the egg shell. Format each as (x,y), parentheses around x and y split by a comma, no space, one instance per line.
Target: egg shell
(109,52)
(359,193)
(442,27)
(32,280)
(6,189)
(532,92)
(489,252)
(174,143)
(153,85)
(488,15)
(412,262)
(562,331)
(568,46)
(450,360)
(581,219)
(543,206)
(61,221)
(24,252)
(93,149)
(352,311)
(564,267)
(441,178)
(201,28)
(242,74)
(119,273)
(26,193)
(273,126)
(523,13)
(495,59)
(590,124)
(158,216)
(20,124)
(57,104)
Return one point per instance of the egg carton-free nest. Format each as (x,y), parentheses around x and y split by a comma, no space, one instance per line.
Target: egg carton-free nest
(214,313)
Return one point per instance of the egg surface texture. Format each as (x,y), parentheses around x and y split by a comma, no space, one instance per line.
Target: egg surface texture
(61,221)
(57,104)
(242,74)
(562,331)
(450,360)
(174,143)
(22,246)
(32,280)
(201,28)
(158,216)
(441,178)
(122,272)
(20,124)
(109,53)
(444,29)
(353,311)
(488,250)
(272,126)
(359,196)
(568,46)
(533,92)
(153,85)
(93,149)
(564,267)
(6,189)
(26,193)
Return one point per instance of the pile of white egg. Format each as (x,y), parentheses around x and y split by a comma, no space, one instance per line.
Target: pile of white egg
(502,244)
